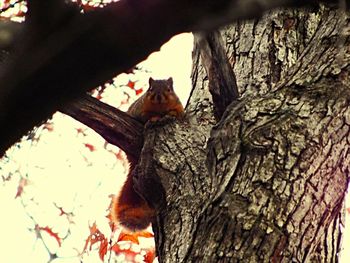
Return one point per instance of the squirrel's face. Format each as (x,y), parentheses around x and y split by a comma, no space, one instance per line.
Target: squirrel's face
(160,91)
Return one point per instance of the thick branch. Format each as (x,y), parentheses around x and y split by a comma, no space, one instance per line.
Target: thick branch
(222,80)
(8,31)
(85,50)
(115,126)
(43,13)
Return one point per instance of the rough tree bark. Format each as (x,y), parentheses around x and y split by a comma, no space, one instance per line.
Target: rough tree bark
(267,182)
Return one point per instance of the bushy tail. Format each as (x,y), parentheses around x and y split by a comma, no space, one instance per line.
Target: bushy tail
(130,209)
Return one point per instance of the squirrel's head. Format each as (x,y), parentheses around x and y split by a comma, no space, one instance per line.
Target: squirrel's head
(160,91)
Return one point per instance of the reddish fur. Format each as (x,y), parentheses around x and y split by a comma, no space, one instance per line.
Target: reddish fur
(130,209)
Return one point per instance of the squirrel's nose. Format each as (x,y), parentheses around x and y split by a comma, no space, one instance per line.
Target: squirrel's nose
(159,98)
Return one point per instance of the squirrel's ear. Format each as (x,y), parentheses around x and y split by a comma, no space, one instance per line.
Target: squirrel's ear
(170,81)
(150,81)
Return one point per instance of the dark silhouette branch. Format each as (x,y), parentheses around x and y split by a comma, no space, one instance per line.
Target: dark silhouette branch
(114,125)
(8,31)
(60,60)
(45,11)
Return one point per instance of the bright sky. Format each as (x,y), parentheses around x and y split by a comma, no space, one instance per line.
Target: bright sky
(62,171)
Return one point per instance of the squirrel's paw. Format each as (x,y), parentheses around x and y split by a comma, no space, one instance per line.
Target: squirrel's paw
(159,122)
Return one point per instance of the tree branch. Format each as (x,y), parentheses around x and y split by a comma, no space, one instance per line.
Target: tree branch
(8,32)
(83,51)
(115,126)
(45,17)
(222,80)
(44,11)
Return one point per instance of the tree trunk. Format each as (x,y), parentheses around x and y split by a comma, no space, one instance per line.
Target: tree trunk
(266,182)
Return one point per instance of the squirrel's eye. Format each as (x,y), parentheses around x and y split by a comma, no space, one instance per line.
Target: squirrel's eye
(168,89)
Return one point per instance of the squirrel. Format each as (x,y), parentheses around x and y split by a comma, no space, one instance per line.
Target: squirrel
(130,209)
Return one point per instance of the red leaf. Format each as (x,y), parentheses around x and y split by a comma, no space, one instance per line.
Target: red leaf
(131,84)
(139,91)
(134,237)
(62,212)
(99,96)
(119,155)
(150,256)
(22,183)
(111,223)
(51,233)
(103,248)
(88,8)
(116,248)
(128,237)
(48,126)
(21,13)
(128,252)
(145,234)
(81,131)
(94,237)
(90,147)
